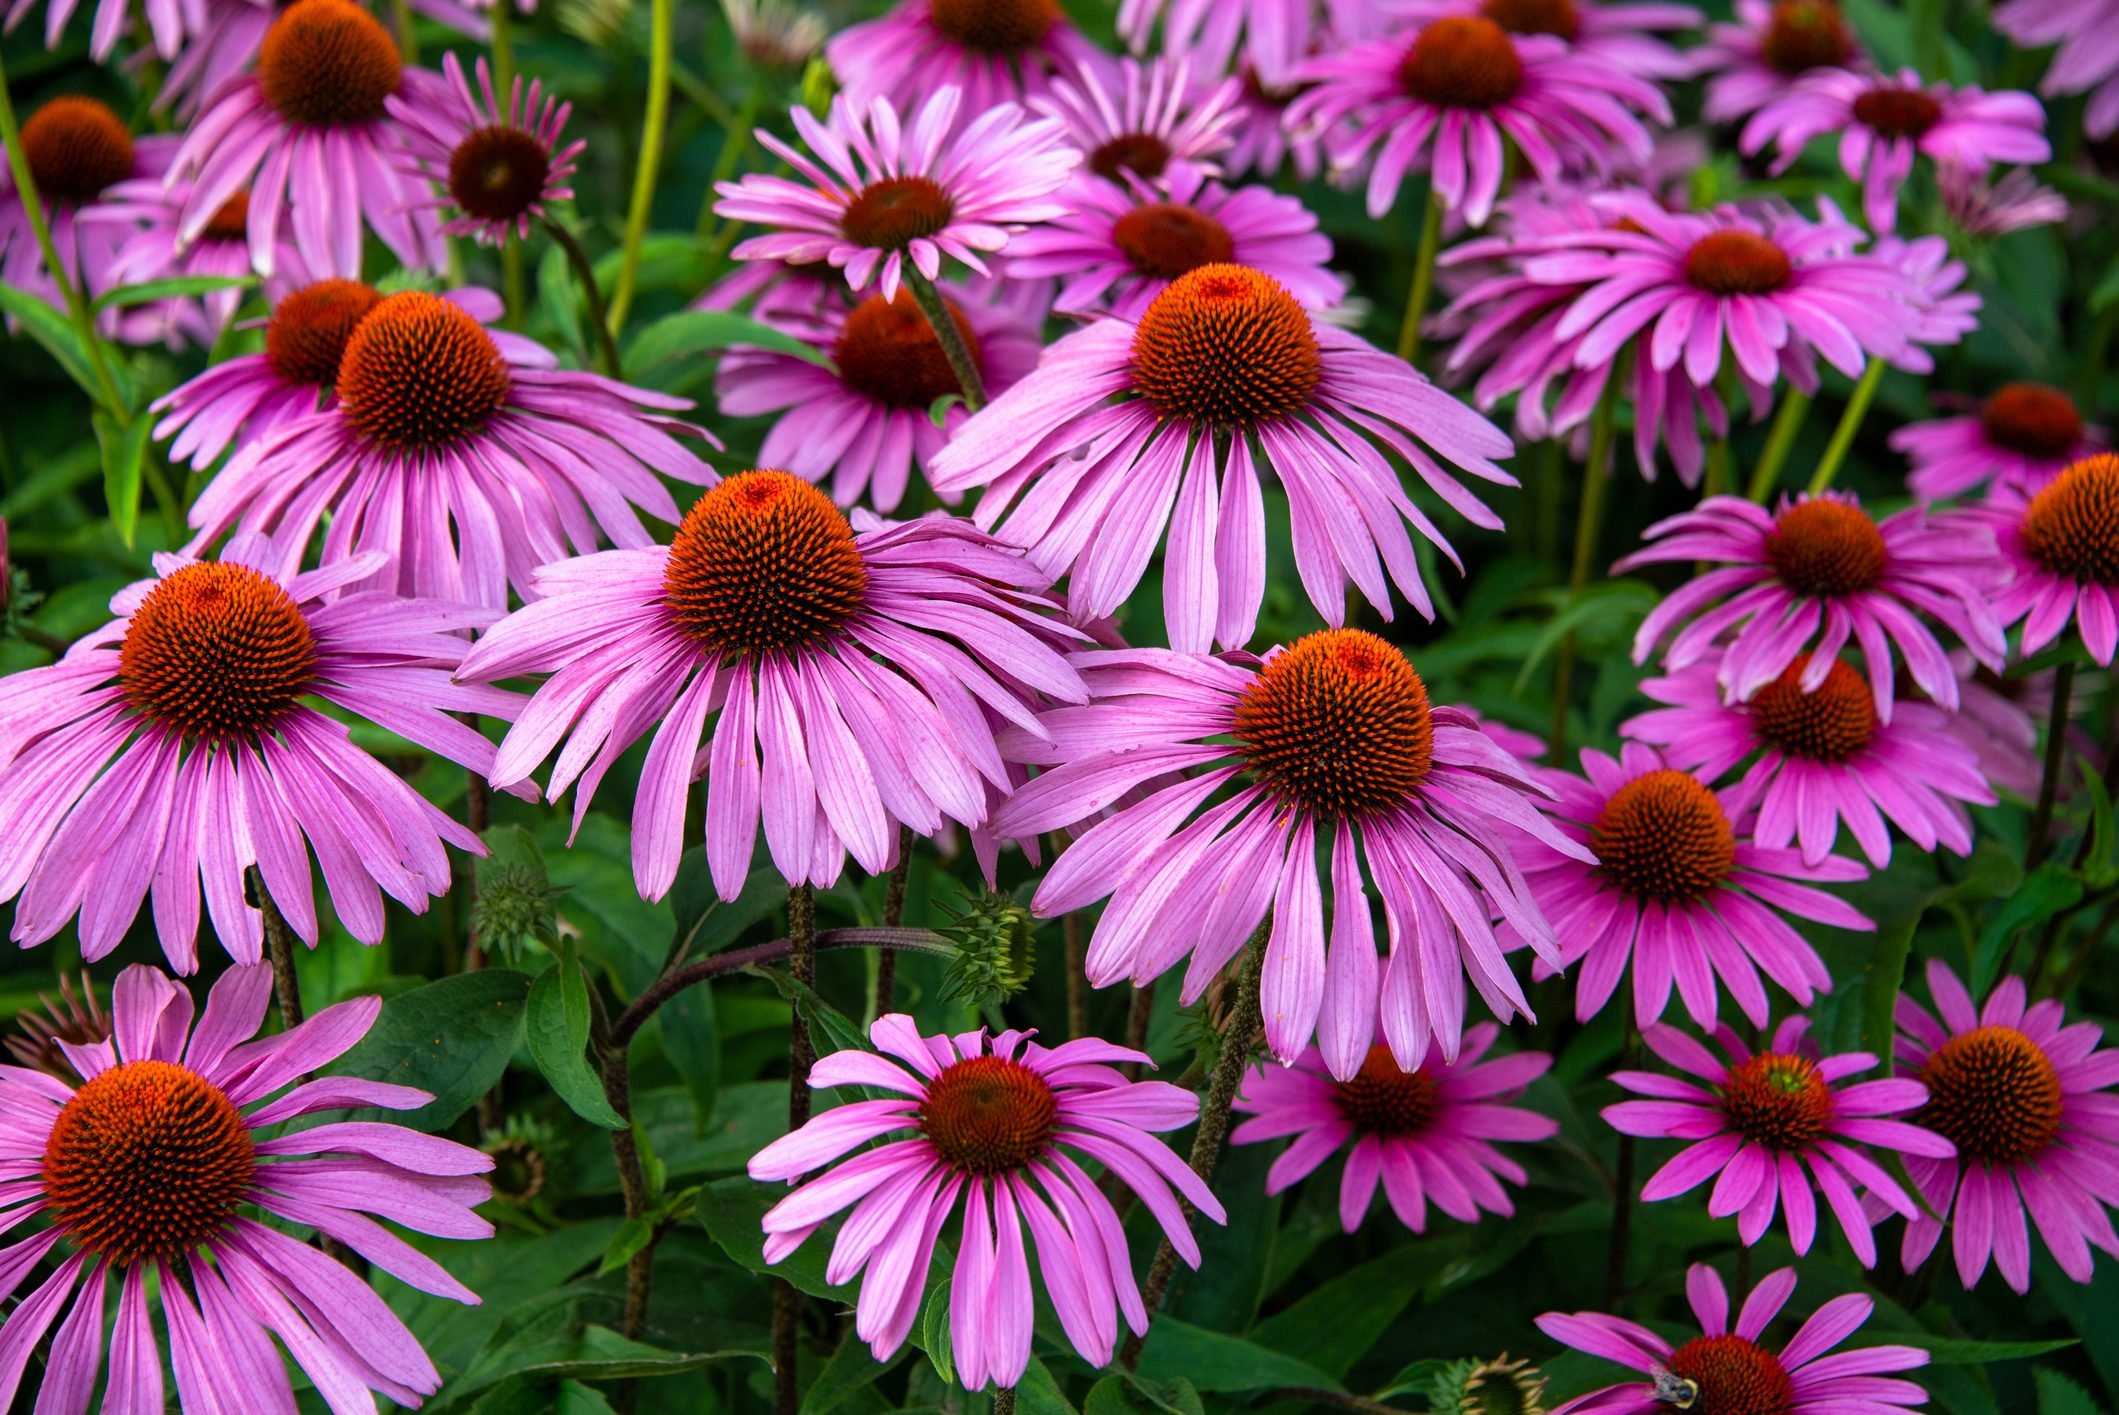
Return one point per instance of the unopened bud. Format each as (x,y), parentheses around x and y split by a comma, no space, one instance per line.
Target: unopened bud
(517,901)
(996,951)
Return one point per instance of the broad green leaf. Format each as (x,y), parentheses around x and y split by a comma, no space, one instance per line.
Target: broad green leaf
(1124,1394)
(632,1236)
(54,331)
(1335,1324)
(577,1399)
(2045,892)
(174,288)
(851,1370)
(507,1272)
(597,1353)
(702,331)
(2057,1395)
(830,1029)
(1038,1394)
(123,446)
(558,1028)
(557,299)
(452,1038)
(731,1211)
(1215,1362)
(934,1332)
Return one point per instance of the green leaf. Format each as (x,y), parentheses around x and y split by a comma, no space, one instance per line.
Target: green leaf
(632,1236)
(2098,866)
(123,446)
(452,1038)
(1335,1324)
(1038,1394)
(55,332)
(175,288)
(1218,1363)
(731,1210)
(701,331)
(557,298)
(1124,1394)
(578,1399)
(558,1035)
(596,1353)
(829,1029)
(1611,605)
(2057,1395)
(1962,1351)
(2045,892)
(934,1332)
(851,1370)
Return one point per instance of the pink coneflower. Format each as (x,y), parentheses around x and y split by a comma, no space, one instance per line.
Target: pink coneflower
(1002,1124)
(2025,1100)
(1812,577)
(2014,203)
(1333,737)
(168,21)
(465,456)
(1823,757)
(1945,308)
(1223,356)
(2060,550)
(873,197)
(1624,34)
(1663,873)
(498,166)
(1774,288)
(1149,121)
(1269,38)
(866,420)
(1775,1129)
(220,50)
(1425,1132)
(1121,246)
(77,149)
(1728,1372)
(244,399)
(2021,437)
(1504,320)
(175,746)
(309,135)
(856,663)
(1773,44)
(144,1168)
(1885,121)
(241,400)
(1447,98)
(152,248)
(2087,60)
(995,52)
(1263,143)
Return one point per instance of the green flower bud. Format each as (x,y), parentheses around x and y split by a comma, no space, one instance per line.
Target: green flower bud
(996,951)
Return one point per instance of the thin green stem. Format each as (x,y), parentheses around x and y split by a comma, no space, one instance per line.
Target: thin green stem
(1004,1401)
(1588,523)
(112,401)
(1423,279)
(513,282)
(1786,424)
(1849,424)
(1235,1058)
(279,947)
(2039,840)
(886,993)
(661,40)
(733,146)
(961,362)
(585,273)
(407,40)
(801,1055)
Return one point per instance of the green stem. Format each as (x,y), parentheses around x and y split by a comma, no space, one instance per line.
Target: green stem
(1237,1035)
(1595,473)
(1849,423)
(1786,424)
(2036,844)
(75,299)
(801,1055)
(279,947)
(961,363)
(585,272)
(513,283)
(733,146)
(660,42)
(407,41)
(1423,279)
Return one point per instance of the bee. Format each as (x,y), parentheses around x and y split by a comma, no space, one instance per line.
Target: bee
(1672,1389)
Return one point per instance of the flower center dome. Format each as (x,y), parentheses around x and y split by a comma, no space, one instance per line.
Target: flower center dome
(989,1115)
(995,26)
(1830,725)
(1166,239)
(1383,1098)
(217,650)
(2033,419)
(1993,1093)
(420,372)
(1462,61)
(1826,549)
(328,63)
(893,213)
(1226,344)
(764,563)
(2072,526)
(146,1162)
(1558,18)
(306,337)
(1736,262)
(1804,35)
(1664,836)
(1778,1100)
(76,147)
(1338,724)
(1895,111)
(1143,154)
(498,173)
(887,351)
(1732,1376)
